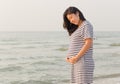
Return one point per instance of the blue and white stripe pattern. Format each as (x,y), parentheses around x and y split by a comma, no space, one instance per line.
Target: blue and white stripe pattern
(82,71)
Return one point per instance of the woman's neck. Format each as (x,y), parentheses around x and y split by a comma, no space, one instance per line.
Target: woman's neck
(80,22)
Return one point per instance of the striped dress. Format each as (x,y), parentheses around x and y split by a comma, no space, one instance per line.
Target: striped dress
(82,71)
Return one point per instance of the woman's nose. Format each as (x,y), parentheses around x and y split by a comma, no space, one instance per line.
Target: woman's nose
(71,20)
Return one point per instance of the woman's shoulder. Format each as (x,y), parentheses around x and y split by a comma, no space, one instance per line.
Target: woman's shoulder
(86,23)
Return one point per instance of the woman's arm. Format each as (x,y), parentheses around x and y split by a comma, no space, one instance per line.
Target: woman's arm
(86,46)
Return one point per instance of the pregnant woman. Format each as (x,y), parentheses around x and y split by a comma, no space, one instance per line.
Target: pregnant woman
(80,52)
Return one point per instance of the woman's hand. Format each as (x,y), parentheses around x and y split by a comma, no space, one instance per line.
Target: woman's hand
(72,60)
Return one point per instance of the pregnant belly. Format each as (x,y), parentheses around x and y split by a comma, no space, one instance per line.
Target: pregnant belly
(73,51)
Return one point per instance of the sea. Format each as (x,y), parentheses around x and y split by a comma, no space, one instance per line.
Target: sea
(38,57)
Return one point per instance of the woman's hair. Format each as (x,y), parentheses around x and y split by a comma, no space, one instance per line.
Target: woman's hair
(66,24)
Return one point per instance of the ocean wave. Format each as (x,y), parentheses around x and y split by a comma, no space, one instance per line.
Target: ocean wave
(11,59)
(39,42)
(8,40)
(62,49)
(107,76)
(11,68)
(115,44)
(32,82)
(96,43)
(10,43)
(42,63)
(26,47)
(2,49)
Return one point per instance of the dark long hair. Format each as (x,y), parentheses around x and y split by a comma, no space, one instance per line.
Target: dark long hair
(66,24)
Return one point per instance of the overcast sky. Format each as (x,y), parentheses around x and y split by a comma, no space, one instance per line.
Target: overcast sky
(47,15)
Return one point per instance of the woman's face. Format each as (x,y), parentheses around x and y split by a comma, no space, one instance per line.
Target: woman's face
(73,18)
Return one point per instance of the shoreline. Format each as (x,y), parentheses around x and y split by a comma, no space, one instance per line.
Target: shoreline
(116,75)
